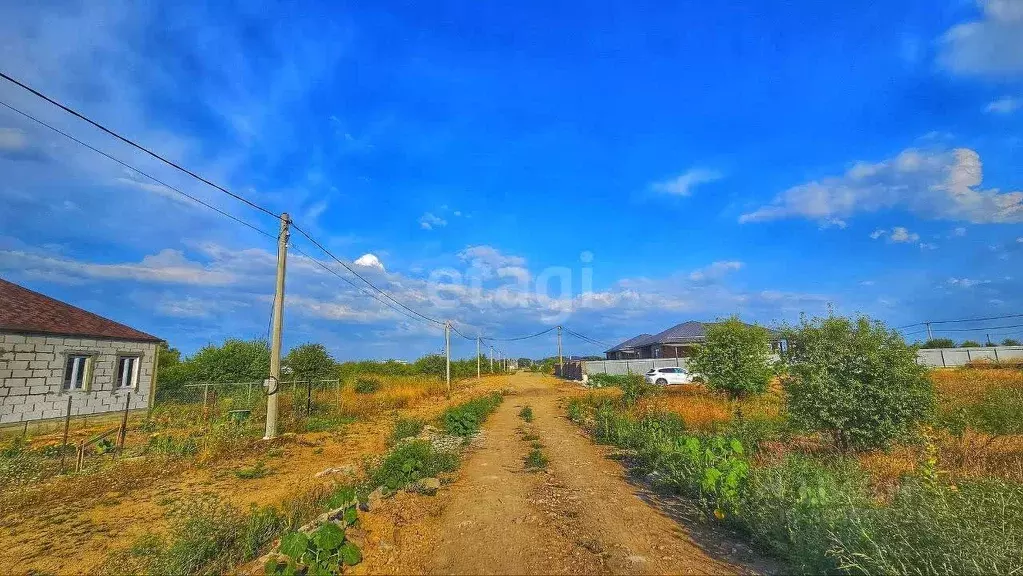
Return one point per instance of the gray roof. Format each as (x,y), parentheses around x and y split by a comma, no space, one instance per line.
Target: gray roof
(631,343)
(684,333)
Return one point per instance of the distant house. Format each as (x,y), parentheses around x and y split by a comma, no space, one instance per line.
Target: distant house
(679,341)
(51,351)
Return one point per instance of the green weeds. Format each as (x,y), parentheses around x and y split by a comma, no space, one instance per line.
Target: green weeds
(536,459)
(406,428)
(410,462)
(526,413)
(465,419)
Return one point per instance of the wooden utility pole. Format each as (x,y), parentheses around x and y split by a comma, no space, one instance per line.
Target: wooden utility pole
(477,357)
(447,356)
(561,361)
(273,383)
(491,358)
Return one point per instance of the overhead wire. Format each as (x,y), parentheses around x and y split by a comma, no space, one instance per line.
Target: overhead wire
(137,146)
(138,171)
(1003,317)
(541,333)
(587,338)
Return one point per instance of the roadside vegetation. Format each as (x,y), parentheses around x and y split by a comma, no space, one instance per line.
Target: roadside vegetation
(848,457)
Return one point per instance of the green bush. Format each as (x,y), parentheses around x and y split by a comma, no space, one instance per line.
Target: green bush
(410,462)
(575,411)
(939,343)
(970,344)
(466,419)
(366,385)
(536,459)
(856,381)
(526,414)
(406,428)
(735,359)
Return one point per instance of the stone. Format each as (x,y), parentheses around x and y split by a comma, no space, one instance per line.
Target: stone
(346,470)
(373,501)
(428,486)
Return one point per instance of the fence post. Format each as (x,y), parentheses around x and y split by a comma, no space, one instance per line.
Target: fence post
(248,395)
(205,399)
(67,425)
(968,359)
(996,353)
(308,397)
(942,353)
(123,432)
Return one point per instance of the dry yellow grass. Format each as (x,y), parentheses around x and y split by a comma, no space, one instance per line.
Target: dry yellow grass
(702,409)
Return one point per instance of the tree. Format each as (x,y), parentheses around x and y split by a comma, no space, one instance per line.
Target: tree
(735,359)
(970,344)
(310,362)
(1010,342)
(524,363)
(939,343)
(233,361)
(855,380)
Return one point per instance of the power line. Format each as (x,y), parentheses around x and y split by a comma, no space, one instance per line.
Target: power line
(520,337)
(962,320)
(360,277)
(137,146)
(136,170)
(588,339)
(452,324)
(991,328)
(356,286)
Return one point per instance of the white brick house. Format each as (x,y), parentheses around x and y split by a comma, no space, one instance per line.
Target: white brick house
(51,351)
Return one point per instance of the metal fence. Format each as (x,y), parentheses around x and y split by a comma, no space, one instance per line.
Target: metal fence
(617,367)
(946,357)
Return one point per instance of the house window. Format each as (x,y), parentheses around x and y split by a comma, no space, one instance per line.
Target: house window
(78,372)
(127,371)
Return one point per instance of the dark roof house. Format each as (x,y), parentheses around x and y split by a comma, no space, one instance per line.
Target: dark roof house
(675,342)
(23,311)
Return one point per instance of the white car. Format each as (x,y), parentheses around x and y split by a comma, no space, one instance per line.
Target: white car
(665,376)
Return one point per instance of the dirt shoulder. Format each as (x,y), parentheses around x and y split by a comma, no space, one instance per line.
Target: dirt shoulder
(579,516)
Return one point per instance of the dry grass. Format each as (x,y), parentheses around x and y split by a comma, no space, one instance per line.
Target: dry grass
(965,385)
(703,410)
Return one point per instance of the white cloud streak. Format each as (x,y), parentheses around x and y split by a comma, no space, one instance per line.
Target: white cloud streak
(684,184)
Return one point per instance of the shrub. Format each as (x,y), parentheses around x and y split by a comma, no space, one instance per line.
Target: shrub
(536,459)
(526,414)
(410,462)
(465,419)
(366,385)
(735,359)
(1010,342)
(970,344)
(856,381)
(406,428)
(633,388)
(575,411)
(939,343)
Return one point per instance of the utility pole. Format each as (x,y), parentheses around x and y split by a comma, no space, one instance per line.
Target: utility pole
(477,357)
(929,335)
(447,356)
(491,358)
(561,361)
(274,381)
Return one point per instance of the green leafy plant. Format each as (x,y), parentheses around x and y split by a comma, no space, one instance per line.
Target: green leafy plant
(105,446)
(735,359)
(536,459)
(526,413)
(855,381)
(575,411)
(465,419)
(412,461)
(970,344)
(326,551)
(406,428)
(366,385)
(939,343)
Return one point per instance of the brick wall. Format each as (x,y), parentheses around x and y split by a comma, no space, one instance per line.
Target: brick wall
(32,377)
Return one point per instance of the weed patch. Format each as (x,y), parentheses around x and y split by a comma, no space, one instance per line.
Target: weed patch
(465,419)
(526,413)
(406,428)
(536,459)
(257,470)
(410,462)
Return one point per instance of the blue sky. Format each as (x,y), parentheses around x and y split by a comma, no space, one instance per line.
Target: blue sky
(695,160)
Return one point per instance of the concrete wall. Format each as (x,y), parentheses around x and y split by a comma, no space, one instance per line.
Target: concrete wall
(943,357)
(630,366)
(32,377)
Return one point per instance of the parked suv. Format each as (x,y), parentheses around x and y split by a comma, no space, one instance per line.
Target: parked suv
(665,376)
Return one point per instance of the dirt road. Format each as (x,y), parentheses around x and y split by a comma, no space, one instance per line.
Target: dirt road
(579,516)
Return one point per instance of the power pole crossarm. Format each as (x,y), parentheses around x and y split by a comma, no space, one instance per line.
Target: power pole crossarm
(273,383)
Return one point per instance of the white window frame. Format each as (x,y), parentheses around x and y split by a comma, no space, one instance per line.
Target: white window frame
(127,381)
(81,368)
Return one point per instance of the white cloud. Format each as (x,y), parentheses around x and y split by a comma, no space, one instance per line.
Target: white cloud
(966,282)
(370,261)
(429,221)
(683,184)
(928,246)
(1006,105)
(937,184)
(877,234)
(901,234)
(12,140)
(991,46)
(715,271)
(489,257)
(167,266)
(959,232)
